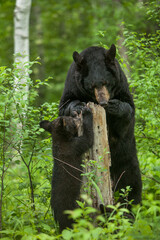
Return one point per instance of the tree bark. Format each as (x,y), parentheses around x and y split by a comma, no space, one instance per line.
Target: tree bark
(97,180)
(21,41)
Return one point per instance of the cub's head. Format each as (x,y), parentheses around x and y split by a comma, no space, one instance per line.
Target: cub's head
(62,126)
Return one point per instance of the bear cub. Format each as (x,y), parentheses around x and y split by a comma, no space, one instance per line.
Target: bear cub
(67,149)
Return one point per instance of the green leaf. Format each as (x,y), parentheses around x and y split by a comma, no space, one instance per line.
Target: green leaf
(66,234)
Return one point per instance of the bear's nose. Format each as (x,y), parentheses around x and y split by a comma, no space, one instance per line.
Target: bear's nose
(103,104)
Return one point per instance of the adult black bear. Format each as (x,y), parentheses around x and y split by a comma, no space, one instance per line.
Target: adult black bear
(93,71)
(68,149)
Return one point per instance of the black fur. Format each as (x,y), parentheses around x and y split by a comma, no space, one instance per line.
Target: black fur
(68,148)
(93,68)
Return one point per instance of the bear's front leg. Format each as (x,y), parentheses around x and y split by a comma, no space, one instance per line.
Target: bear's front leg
(120,115)
(120,109)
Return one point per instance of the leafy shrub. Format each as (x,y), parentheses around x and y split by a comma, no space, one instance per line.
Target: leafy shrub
(145,85)
(26,159)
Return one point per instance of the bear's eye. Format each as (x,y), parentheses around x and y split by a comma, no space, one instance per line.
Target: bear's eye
(112,69)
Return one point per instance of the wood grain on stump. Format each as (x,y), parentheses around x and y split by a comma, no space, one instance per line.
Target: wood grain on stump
(97,161)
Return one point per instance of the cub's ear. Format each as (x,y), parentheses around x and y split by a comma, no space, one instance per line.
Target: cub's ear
(111,53)
(77,58)
(46,125)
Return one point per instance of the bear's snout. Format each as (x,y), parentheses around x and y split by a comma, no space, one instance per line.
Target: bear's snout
(102,95)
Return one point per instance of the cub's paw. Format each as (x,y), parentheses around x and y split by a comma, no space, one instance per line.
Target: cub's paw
(87,117)
(86,111)
(76,109)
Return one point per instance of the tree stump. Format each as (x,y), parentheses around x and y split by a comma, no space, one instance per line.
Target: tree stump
(97,161)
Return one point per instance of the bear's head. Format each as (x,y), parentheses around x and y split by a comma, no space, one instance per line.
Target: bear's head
(97,73)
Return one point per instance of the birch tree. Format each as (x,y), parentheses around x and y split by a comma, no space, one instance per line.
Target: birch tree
(21,44)
(21,64)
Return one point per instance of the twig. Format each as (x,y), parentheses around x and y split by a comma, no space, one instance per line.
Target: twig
(72,174)
(118,180)
(64,104)
(152,178)
(47,211)
(21,202)
(69,165)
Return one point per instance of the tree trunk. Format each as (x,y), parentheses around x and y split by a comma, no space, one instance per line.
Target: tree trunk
(97,184)
(21,42)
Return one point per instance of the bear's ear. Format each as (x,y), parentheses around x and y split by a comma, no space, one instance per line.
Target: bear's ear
(46,125)
(111,53)
(77,58)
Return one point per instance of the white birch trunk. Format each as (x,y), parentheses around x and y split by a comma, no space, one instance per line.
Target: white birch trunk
(21,43)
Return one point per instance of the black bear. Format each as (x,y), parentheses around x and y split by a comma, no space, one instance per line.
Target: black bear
(96,76)
(67,149)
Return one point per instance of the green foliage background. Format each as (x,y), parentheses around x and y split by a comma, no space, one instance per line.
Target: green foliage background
(57,28)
